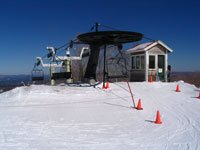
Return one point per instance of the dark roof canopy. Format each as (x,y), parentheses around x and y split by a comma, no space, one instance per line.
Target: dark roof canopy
(109,37)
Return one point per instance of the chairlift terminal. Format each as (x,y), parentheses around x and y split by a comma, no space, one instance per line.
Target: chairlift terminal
(95,40)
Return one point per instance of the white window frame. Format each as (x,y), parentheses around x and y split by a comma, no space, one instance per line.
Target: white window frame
(140,68)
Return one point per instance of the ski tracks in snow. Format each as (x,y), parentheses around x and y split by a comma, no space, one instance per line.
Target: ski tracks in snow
(91,118)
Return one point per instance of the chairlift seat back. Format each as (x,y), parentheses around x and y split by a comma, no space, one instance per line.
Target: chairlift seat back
(37,75)
(61,75)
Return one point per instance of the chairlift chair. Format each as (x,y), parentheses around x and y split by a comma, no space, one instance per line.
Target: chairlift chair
(37,75)
(62,74)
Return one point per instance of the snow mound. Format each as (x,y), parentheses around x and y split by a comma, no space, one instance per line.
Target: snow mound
(81,116)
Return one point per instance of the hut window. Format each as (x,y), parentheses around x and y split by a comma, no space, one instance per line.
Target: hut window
(142,62)
(133,62)
(137,62)
(151,62)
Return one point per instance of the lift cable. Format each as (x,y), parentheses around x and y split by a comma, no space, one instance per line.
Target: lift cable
(150,39)
(105,26)
(112,28)
(70,44)
(108,27)
(119,30)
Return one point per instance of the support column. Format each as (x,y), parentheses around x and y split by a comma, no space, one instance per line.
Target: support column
(146,66)
(68,70)
(104,67)
(90,72)
(166,66)
(52,71)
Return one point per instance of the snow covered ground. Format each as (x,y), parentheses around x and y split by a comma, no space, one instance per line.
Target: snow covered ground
(82,117)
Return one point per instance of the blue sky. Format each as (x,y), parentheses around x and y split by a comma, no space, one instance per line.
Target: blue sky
(27,27)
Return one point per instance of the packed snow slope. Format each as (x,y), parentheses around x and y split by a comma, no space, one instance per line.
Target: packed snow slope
(74,117)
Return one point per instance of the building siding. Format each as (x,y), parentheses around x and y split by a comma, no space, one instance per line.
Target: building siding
(137,75)
(158,49)
(137,53)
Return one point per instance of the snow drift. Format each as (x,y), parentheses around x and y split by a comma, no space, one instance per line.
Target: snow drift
(42,117)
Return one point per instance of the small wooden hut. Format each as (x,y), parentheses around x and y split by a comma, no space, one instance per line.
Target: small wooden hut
(149,59)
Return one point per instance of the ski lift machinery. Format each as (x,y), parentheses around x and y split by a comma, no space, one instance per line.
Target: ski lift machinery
(99,39)
(96,40)
(65,61)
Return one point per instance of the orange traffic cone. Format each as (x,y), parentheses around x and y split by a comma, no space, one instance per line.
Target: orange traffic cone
(199,95)
(151,80)
(107,85)
(139,106)
(158,121)
(177,88)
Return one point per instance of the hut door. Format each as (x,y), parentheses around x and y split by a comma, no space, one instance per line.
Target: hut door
(161,67)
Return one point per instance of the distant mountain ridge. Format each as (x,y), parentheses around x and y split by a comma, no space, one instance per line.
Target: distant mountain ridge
(189,77)
(8,80)
(16,80)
